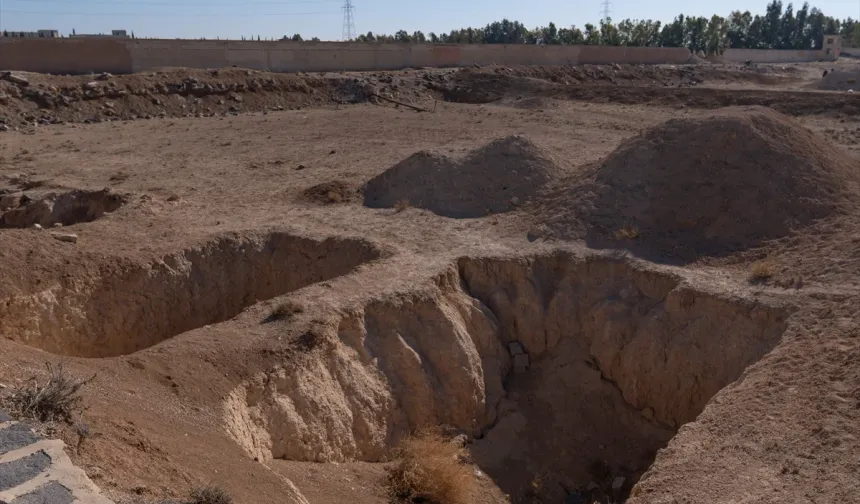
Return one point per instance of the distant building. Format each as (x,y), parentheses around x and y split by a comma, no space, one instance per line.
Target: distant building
(113,33)
(832,46)
(31,34)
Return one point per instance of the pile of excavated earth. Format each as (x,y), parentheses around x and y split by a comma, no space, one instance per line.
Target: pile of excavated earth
(670,316)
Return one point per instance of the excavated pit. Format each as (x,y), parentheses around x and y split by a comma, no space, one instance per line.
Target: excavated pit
(132,306)
(566,373)
(19,210)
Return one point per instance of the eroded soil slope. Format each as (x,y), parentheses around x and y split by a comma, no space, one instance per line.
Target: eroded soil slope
(246,335)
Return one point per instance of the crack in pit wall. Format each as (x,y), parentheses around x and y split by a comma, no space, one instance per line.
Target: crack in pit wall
(134,306)
(619,358)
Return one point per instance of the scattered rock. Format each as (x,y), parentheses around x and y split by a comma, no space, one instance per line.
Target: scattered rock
(648,413)
(92,85)
(516,348)
(592,486)
(37,227)
(65,237)
(10,201)
(15,79)
(618,483)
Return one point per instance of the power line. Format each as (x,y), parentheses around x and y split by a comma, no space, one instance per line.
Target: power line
(606,10)
(189,14)
(348,21)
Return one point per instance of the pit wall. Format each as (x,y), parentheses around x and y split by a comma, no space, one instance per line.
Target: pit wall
(133,55)
(775,56)
(442,358)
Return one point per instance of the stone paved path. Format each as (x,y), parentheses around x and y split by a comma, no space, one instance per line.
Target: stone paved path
(37,471)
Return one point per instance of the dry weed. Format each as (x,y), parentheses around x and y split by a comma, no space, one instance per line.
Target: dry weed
(627,233)
(760,272)
(285,311)
(431,469)
(209,495)
(402,205)
(56,399)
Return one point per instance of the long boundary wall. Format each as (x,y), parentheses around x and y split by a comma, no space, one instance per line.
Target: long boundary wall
(774,55)
(136,55)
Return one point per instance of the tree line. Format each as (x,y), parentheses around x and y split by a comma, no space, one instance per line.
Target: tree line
(780,27)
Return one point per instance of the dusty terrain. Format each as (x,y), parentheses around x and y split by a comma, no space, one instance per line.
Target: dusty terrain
(608,288)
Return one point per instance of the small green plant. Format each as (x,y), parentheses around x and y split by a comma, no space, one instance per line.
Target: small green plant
(209,495)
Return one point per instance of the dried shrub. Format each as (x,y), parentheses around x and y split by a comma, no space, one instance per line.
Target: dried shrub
(627,233)
(56,398)
(402,205)
(432,470)
(760,272)
(209,495)
(285,311)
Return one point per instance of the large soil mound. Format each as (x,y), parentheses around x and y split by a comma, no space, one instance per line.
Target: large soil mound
(493,179)
(718,183)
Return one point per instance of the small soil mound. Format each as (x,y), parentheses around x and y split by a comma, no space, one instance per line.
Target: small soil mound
(493,179)
(72,207)
(719,183)
(838,81)
(336,191)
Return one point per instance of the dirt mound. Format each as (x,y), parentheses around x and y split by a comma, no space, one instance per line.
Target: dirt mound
(714,184)
(838,81)
(335,191)
(493,179)
(28,98)
(19,210)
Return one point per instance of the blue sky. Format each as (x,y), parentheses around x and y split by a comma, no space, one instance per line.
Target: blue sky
(323,18)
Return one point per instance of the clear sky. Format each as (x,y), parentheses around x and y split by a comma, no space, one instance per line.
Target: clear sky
(324,18)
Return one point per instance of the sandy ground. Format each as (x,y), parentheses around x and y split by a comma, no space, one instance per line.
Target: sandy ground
(786,429)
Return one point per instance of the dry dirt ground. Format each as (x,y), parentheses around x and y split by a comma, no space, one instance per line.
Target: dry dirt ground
(596,321)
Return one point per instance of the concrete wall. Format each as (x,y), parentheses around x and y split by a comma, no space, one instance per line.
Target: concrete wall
(64,55)
(127,55)
(774,55)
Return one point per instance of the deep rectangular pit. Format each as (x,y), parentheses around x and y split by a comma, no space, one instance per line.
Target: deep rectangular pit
(618,358)
(132,306)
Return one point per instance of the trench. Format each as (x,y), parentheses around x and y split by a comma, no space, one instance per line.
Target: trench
(66,208)
(130,306)
(567,374)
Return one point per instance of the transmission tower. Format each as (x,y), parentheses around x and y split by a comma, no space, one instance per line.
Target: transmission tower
(348,21)
(607,13)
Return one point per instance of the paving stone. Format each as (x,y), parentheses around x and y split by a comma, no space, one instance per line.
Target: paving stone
(22,470)
(16,436)
(52,493)
(4,417)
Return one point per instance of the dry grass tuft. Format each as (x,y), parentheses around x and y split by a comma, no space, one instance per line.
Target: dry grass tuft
(627,233)
(402,205)
(760,272)
(56,398)
(432,470)
(209,495)
(285,311)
